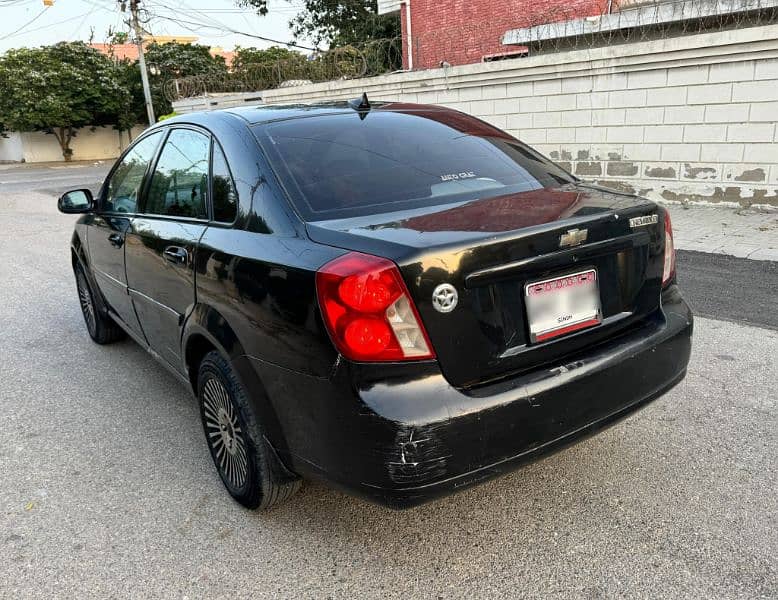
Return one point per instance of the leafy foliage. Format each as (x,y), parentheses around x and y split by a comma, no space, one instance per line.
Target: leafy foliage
(118,37)
(173,60)
(60,88)
(246,59)
(134,106)
(338,22)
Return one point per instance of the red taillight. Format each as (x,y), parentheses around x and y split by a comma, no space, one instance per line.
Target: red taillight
(669,270)
(368,311)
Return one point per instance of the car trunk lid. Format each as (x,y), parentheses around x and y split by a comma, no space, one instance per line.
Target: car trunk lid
(489,250)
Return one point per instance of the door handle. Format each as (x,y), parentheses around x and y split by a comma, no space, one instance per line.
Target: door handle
(175,254)
(116,239)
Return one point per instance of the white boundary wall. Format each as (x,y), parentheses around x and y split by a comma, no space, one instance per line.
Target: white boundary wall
(690,118)
(90,143)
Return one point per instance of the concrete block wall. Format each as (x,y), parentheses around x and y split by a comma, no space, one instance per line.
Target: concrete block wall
(690,118)
(705,133)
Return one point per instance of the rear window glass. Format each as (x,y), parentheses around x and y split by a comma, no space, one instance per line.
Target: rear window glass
(340,166)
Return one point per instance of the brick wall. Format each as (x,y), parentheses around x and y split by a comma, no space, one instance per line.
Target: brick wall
(690,118)
(464,31)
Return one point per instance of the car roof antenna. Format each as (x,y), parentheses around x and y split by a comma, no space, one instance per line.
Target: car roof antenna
(361,105)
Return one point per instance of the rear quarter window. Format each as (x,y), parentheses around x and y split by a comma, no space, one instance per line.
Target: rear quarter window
(339,165)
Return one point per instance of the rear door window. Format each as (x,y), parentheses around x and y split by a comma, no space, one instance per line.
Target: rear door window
(340,165)
(179,185)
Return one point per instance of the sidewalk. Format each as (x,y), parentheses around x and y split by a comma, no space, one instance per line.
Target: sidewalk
(59,164)
(741,232)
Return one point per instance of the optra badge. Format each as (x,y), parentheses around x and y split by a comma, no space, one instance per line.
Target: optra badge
(641,221)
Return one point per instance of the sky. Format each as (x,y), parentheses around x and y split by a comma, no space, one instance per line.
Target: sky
(29,23)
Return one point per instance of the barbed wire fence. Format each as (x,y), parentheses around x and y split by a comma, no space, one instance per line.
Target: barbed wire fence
(560,30)
(637,21)
(376,57)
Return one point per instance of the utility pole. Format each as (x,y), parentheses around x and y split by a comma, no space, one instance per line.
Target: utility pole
(135,24)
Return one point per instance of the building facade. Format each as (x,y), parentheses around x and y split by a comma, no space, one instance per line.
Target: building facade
(459,32)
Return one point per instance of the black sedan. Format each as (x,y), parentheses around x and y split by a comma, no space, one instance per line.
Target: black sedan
(398,298)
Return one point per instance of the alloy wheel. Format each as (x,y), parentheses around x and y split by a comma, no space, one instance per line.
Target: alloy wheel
(224,433)
(87,305)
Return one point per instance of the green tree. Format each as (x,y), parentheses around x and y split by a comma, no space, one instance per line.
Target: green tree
(133,105)
(269,67)
(245,59)
(60,88)
(338,22)
(174,60)
(116,38)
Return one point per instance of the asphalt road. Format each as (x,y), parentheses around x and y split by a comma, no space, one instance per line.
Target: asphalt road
(729,288)
(53,179)
(107,489)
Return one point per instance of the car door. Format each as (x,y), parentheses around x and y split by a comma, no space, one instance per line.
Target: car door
(162,238)
(107,231)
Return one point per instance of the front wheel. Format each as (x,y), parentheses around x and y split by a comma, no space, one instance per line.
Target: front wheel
(246,463)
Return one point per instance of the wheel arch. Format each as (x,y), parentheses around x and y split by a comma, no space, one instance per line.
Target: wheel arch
(206,330)
(78,251)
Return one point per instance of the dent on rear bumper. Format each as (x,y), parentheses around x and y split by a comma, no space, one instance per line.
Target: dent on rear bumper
(401,436)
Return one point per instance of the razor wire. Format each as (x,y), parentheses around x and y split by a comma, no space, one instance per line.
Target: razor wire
(559,29)
(534,30)
(344,62)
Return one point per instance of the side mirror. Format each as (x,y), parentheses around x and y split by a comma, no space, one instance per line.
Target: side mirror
(76,202)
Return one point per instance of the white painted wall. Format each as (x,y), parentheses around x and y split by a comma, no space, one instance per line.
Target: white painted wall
(388,6)
(689,118)
(90,143)
(11,149)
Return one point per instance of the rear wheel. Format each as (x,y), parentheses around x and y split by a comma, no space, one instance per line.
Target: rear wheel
(102,328)
(246,463)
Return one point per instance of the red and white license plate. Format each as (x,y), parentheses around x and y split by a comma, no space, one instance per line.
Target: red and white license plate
(562,305)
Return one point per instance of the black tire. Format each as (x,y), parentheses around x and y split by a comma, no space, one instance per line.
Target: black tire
(247,464)
(101,327)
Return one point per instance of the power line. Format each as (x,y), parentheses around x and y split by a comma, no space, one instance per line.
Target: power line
(211,24)
(222,26)
(83,16)
(81,23)
(290,8)
(30,22)
(218,24)
(214,24)
(42,27)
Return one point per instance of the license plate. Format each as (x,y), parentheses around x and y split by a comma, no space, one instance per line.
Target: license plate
(562,305)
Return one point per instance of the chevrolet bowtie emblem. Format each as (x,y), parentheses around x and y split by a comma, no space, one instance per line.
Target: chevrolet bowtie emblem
(573,237)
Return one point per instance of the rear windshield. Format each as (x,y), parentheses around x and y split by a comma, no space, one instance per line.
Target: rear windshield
(340,165)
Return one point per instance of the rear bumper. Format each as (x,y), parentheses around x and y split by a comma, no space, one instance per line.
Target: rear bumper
(401,435)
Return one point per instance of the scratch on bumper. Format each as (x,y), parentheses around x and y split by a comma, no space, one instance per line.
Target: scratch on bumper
(418,456)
